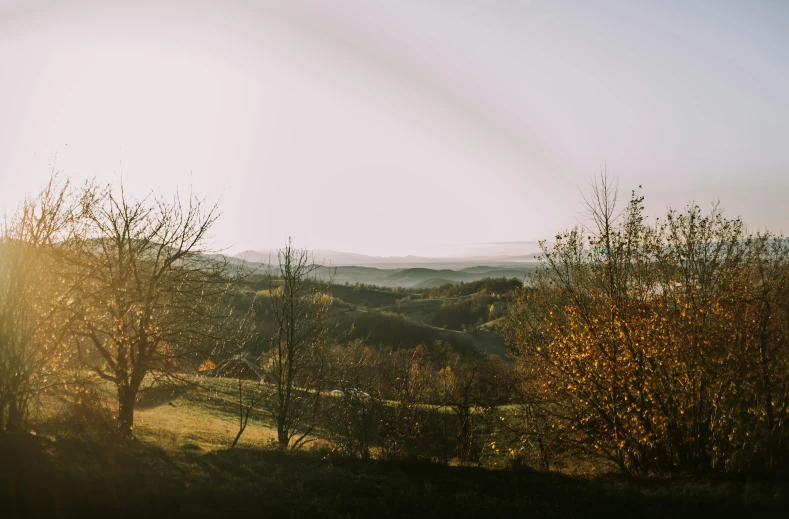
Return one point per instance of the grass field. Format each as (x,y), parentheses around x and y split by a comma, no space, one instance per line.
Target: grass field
(180,465)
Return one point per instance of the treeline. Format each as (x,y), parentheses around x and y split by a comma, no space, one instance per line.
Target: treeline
(493,286)
(378,288)
(369,296)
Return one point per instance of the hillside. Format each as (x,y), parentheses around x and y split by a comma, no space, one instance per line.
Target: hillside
(402,277)
(397,317)
(412,276)
(479,269)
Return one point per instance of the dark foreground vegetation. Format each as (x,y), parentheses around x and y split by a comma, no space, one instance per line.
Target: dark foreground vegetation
(71,478)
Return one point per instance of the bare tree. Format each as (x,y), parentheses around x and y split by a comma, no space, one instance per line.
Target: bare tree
(153,298)
(242,373)
(296,362)
(248,400)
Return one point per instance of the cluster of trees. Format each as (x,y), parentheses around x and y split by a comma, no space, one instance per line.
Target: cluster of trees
(367,297)
(379,288)
(661,347)
(501,286)
(424,403)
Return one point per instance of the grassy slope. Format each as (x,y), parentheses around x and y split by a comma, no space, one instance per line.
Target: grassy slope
(484,339)
(365,297)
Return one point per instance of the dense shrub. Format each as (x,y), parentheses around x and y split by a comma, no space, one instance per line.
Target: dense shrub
(661,347)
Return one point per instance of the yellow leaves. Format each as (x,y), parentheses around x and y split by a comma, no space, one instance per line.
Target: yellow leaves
(207,365)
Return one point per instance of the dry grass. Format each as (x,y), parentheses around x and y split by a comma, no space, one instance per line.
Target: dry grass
(189,426)
(206,418)
(202,418)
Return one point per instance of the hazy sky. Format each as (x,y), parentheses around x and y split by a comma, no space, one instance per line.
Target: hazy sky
(396,127)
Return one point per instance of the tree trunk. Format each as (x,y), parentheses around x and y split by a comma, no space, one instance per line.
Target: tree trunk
(238,436)
(2,417)
(464,433)
(126,400)
(243,417)
(545,462)
(282,436)
(14,416)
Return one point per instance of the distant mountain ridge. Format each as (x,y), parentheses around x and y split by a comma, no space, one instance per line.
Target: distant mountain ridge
(332,257)
(413,275)
(339,258)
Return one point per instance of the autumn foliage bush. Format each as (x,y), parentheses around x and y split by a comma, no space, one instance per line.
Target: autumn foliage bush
(660,346)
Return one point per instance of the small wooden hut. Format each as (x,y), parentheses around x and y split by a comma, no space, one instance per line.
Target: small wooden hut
(238,367)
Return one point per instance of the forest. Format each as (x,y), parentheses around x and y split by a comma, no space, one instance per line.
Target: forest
(642,364)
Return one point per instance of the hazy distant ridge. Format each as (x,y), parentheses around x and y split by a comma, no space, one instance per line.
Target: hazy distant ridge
(339,258)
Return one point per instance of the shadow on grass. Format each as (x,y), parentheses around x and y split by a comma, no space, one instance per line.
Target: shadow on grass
(156,396)
(69,478)
(211,396)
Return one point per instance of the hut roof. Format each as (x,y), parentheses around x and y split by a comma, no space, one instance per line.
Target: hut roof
(238,367)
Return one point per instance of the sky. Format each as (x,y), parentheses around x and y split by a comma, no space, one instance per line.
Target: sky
(400,127)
